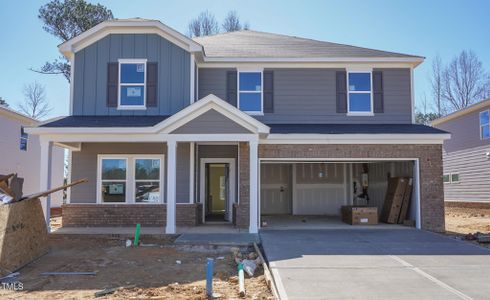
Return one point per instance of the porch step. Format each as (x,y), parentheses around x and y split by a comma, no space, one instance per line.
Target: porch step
(218,239)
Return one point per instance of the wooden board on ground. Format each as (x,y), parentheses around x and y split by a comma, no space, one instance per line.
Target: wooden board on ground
(23,234)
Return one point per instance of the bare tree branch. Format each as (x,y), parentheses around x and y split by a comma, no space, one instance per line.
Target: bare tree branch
(35,103)
(204,24)
(232,22)
(464,81)
(436,84)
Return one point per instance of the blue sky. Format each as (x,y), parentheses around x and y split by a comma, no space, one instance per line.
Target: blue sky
(416,27)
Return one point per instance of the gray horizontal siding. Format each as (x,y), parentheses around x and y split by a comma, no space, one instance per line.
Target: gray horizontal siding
(212,81)
(465,132)
(211,122)
(308,96)
(90,76)
(473,168)
(84,165)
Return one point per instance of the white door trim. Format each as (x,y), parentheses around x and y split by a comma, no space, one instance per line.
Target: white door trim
(231,188)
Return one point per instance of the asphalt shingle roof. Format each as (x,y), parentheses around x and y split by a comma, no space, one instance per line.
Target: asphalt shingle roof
(255,44)
(106,121)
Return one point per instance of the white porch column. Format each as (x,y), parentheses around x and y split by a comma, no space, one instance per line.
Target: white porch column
(253,145)
(45,175)
(171,186)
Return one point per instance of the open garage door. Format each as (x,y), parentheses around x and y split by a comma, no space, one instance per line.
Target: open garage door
(321,188)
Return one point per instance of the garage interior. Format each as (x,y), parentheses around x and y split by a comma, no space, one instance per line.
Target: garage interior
(311,193)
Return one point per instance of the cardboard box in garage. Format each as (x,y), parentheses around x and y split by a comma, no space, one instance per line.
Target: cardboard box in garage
(359,215)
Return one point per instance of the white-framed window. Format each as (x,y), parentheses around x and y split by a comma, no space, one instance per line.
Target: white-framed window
(454,177)
(485,124)
(132,84)
(359,93)
(450,178)
(24,137)
(113,183)
(446,178)
(147,179)
(250,95)
(130,179)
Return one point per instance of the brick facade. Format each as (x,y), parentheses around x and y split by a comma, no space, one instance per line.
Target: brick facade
(242,209)
(430,163)
(100,215)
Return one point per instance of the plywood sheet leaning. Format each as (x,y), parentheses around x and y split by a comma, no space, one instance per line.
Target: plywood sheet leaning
(393,200)
(406,201)
(23,234)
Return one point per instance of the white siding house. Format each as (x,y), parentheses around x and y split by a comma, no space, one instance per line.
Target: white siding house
(23,157)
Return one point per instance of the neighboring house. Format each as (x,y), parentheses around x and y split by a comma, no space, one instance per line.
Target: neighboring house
(21,153)
(234,127)
(466,155)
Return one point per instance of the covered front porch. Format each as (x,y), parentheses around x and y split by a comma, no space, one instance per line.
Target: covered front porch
(158,174)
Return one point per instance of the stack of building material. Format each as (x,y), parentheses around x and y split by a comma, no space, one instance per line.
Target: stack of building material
(23,234)
(23,231)
(397,200)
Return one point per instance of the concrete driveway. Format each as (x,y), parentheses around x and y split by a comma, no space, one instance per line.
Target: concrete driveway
(375,264)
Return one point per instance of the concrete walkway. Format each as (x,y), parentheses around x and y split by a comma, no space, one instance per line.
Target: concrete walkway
(375,264)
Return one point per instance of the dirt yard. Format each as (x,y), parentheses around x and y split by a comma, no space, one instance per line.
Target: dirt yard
(464,220)
(150,272)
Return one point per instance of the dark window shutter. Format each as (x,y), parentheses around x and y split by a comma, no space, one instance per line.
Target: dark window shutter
(341,87)
(112,83)
(231,87)
(151,84)
(268,92)
(378,101)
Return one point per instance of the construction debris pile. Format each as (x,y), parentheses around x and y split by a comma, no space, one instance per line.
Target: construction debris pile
(23,231)
(10,188)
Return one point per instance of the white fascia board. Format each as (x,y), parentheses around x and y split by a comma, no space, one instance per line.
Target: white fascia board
(309,65)
(355,139)
(413,60)
(13,114)
(61,138)
(127,27)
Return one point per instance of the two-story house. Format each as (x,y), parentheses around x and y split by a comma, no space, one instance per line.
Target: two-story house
(235,127)
(466,156)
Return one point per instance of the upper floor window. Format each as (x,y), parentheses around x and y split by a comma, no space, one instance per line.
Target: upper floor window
(485,124)
(132,84)
(250,92)
(360,100)
(23,139)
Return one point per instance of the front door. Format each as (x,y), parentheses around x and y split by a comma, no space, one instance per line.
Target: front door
(217,192)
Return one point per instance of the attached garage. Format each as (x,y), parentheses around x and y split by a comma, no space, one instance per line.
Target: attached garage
(320,188)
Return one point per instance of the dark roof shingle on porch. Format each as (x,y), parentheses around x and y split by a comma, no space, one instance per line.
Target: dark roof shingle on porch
(148,121)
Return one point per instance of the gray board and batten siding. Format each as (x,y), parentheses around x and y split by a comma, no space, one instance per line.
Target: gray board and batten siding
(91,73)
(309,96)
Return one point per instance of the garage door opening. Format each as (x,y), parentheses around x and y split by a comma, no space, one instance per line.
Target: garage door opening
(311,193)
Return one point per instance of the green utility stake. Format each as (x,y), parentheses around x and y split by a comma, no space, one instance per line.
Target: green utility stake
(137,235)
